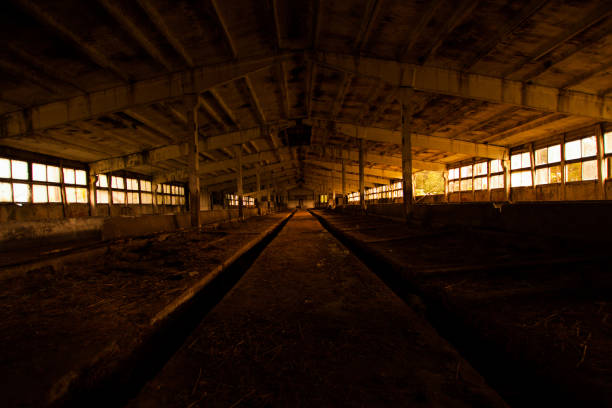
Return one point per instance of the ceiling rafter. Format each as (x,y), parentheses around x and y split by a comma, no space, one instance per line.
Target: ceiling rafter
(584,24)
(94,54)
(158,20)
(225,29)
(118,12)
(259,112)
(416,32)
(372,10)
(226,109)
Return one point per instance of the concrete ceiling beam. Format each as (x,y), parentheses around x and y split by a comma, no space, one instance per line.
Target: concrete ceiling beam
(472,86)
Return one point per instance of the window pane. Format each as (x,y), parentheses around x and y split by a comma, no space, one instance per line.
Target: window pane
(589,146)
(118,197)
(515,179)
(466,185)
(55,195)
(466,171)
(6,193)
(554,154)
(541,156)
(496,166)
(572,150)
(589,170)
(182,200)
(515,161)
(526,178)
(39,173)
(133,198)
(607,143)
(166,189)
(573,172)
(81,195)
(53,174)
(21,193)
(160,199)
(542,176)
(497,181)
(39,193)
(480,183)
(147,198)
(167,200)
(102,196)
(145,185)
(5,168)
(480,169)
(69,176)
(525,160)
(554,175)
(174,200)
(71,195)
(117,182)
(19,170)
(81,177)
(102,181)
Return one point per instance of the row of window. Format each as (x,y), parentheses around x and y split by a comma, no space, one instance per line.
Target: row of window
(385,192)
(580,165)
(233,200)
(26,182)
(30,182)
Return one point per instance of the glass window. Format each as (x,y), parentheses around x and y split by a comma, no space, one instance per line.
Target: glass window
(515,161)
(132,184)
(102,181)
(69,176)
(607,144)
(6,193)
(466,171)
(496,166)
(541,156)
(118,197)
(480,169)
(554,153)
(81,177)
(145,185)
(132,198)
(542,176)
(589,170)
(19,170)
(466,185)
(147,198)
(39,193)
(589,146)
(102,197)
(55,195)
(572,150)
(526,178)
(480,183)
(5,168)
(21,192)
(554,175)
(573,172)
(39,172)
(53,174)
(81,194)
(525,160)
(71,195)
(497,181)
(117,182)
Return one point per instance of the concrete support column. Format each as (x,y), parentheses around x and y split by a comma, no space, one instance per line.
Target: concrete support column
(193,160)
(361,175)
(445,175)
(506,167)
(154,196)
(91,186)
(601,176)
(343,182)
(258,189)
(563,178)
(533,171)
(407,94)
(240,192)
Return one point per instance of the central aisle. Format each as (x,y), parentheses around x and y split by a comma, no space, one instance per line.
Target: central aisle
(310,326)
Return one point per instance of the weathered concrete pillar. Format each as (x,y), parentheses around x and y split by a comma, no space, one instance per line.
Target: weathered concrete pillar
(240,192)
(601,176)
(91,186)
(154,196)
(407,108)
(361,175)
(193,160)
(506,166)
(343,182)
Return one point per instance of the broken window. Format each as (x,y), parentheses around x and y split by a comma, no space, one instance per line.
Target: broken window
(576,168)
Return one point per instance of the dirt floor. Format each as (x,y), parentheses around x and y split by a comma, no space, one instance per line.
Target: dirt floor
(54,323)
(309,325)
(535,307)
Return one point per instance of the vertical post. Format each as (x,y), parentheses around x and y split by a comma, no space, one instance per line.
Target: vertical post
(194,161)
(563,168)
(154,196)
(473,187)
(445,175)
(258,189)
(489,180)
(361,175)
(91,186)
(599,132)
(343,182)
(240,192)
(533,172)
(407,94)
(506,166)
(269,188)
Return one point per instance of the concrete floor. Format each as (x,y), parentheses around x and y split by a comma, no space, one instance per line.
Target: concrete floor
(310,325)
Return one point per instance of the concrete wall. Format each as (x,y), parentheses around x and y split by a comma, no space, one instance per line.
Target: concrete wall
(584,220)
(49,234)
